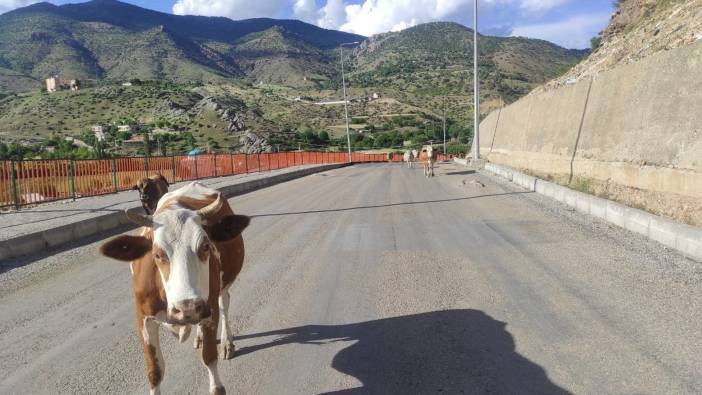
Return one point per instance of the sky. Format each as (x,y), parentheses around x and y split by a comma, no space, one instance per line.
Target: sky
(569,23)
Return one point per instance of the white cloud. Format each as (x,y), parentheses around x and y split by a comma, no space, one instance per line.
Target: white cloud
(305,10)
(7,5)
(541,5)
(378,16)
(235,9)
(332,15)
(574,32)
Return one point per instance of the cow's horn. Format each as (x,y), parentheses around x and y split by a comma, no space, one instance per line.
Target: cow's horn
(212,208)
(139,219)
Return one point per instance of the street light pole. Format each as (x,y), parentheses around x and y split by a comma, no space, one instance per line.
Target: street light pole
(346,107)
(476,86)
(444,113)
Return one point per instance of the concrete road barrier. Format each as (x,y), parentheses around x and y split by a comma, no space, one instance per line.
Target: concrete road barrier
(683,238)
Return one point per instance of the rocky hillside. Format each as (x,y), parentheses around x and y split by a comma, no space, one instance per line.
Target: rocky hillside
(638,29)
(436,58)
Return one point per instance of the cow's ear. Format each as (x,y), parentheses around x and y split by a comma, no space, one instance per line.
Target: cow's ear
(126,248)
(229,227)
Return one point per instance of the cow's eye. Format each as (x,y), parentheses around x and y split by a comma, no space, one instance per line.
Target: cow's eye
(206,247)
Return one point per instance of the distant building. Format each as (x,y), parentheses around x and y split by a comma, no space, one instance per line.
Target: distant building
(126,84)
(124,128)
(96,128)
(376,95)
(136,140)
(54,83)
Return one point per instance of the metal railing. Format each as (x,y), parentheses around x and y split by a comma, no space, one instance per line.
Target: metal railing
(30,182)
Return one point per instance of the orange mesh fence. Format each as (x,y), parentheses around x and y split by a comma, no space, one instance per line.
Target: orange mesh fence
(37,181)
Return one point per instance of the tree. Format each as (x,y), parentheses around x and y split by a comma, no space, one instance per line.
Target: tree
(324,137)
(189,140)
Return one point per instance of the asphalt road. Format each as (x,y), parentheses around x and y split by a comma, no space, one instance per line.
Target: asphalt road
(373,280)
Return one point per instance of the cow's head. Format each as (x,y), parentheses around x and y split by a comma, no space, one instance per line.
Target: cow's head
(150,191)
(181,249)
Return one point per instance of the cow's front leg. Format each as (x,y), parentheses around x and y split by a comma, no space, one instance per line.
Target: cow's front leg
(209,356)
(226,343)
(197,341)
(155,365)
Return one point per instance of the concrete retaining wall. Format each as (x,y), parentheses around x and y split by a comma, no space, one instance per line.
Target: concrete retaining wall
(50,238)
(684,238)
(633,133)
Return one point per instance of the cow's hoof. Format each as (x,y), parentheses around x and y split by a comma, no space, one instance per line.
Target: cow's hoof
(197,342)
(218,391)
(227,350)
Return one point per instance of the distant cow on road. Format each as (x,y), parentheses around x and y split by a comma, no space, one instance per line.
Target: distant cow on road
(183,262)
(408,157)
(151,190)
(428,156)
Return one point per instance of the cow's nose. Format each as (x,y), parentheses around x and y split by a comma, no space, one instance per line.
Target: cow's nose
(189,311)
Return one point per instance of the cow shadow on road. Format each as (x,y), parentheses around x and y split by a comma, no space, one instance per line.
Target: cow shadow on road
(451,352)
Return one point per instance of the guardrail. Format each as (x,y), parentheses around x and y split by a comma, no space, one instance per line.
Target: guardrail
(29,182)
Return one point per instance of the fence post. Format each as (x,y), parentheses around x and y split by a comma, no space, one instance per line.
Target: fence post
(215,164)
(246,162)
(72,178)
(258,161)
(15,194)
(175,175)
(231,158)
(269,161)
(197,175)
(146,166)
(114,175)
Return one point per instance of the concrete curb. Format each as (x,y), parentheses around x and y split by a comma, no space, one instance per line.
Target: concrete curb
(54,237)
(683,238)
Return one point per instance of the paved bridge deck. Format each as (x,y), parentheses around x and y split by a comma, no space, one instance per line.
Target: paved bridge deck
(63,212)
(372,279)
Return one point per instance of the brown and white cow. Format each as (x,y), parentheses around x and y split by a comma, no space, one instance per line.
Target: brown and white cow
(151,189)
(428,156)
(183,262)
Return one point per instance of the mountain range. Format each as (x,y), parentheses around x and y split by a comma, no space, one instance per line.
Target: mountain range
(108,39)
(114,40)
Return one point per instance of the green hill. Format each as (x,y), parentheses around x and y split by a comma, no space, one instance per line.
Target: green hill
(108,39)
(437,59)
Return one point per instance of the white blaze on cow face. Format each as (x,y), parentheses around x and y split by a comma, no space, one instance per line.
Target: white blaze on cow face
(182,252)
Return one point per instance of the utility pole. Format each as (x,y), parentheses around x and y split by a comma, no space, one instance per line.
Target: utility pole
(476,86)
(346,107)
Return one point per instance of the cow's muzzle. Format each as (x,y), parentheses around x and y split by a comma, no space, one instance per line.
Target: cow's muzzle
(189,311)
